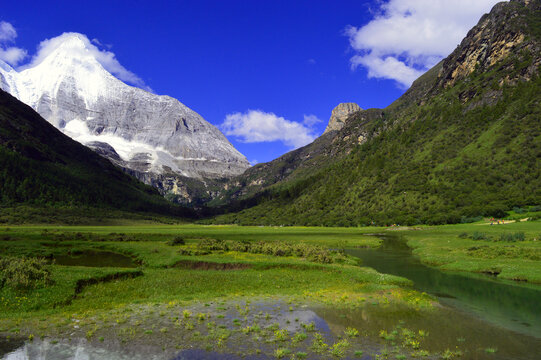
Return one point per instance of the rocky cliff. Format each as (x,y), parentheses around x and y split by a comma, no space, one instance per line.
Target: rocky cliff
(339,115)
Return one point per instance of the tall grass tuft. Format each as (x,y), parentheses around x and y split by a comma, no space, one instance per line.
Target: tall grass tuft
(24,273)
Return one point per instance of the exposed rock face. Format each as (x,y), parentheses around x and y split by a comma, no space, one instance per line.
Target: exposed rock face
(496,36)
(339,115)
(138,130)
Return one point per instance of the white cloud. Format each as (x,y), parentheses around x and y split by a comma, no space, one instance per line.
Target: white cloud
(257,126)
(98,42)
(106,58)
(408,37)
(7,32)
(311,120)
(10,54)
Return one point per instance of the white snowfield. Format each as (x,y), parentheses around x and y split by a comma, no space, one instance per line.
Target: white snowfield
(73,91)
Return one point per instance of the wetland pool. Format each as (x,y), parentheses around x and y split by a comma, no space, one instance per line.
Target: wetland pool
(253,330)
(95,258)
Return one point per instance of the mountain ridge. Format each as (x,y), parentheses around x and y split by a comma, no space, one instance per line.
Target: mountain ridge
(405,163)
(72,90)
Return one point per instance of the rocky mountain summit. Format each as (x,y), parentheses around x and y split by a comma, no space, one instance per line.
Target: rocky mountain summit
(339,115)
(152,137)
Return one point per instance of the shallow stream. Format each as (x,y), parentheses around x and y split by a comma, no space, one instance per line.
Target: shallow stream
(514,306)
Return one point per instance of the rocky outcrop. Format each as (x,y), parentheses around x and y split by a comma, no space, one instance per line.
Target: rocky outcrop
(339,115)
(504,31)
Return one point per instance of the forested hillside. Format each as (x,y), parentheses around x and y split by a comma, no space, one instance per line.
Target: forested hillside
(464,141)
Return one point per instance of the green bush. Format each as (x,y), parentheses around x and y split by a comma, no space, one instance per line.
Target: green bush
(512,237)
(179,240)
(310,252)
(212,244)
(467,220)
(479,236)
(24,273)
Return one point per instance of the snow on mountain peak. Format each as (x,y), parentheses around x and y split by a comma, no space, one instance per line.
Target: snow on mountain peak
(72,48)
(77,87)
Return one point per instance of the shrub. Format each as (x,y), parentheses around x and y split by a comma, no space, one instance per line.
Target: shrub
(479,236)
(240,246)
(467,220)
(311,252)
(179,240)
(512,237)
(212,244)
(24,273)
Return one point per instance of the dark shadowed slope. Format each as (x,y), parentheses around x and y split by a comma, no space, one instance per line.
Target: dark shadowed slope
(40,166)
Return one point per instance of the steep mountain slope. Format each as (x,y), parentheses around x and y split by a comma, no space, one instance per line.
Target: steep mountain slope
(463,141)
(40,166)
(156,137)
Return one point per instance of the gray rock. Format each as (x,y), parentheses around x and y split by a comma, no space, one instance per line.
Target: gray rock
(339,115)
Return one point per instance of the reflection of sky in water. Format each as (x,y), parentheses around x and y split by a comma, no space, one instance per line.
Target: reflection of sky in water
(280,314)
(76,350)
(197,354)
(81,349)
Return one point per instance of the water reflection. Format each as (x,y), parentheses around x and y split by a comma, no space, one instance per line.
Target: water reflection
(503,303)
(76,350)
(96,259)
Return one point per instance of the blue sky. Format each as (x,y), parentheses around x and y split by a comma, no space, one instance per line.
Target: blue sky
(266,72)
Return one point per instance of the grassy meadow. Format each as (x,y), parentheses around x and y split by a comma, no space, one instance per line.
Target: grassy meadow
(174,269)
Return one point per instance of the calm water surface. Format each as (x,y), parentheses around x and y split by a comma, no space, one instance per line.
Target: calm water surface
(514,306)
(96,259)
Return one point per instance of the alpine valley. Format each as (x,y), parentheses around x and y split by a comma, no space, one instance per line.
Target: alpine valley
(131,228)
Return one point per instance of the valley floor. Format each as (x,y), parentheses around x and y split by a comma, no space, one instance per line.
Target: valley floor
(252,291)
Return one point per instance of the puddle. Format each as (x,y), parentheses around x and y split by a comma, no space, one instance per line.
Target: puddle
(79,349)
(447,328)
(96,259)
(197,354)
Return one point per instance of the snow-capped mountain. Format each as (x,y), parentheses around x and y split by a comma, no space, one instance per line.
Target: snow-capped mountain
(136,129)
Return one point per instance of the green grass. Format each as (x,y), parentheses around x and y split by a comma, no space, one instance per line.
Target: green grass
(172,290)
(442,246)
(160,278)
(167,274)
